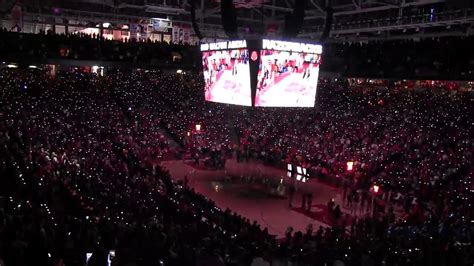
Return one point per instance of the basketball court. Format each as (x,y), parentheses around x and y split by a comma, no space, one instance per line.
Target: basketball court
(231,88)
(290,91)
(246,189)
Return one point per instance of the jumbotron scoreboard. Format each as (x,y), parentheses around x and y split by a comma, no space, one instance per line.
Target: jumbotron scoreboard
(262,73)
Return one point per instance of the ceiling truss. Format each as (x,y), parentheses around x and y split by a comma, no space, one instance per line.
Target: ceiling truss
(351,17)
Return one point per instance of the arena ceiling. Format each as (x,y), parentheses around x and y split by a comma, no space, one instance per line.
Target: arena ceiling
(353,19)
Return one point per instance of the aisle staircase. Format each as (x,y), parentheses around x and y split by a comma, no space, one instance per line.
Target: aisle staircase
(171,138)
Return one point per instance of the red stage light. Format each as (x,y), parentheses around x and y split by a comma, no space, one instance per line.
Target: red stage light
(375,188)
(350,165)
(198,127)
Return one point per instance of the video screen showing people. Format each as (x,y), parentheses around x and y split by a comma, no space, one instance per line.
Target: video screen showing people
(227,76)
(287,79)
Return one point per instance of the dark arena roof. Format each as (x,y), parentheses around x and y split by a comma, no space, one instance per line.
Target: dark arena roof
(352,19)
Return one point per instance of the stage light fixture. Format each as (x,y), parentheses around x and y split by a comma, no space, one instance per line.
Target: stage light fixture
(350,166)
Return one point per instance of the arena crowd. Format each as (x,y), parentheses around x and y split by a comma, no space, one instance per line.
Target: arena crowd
(80,172)
(402,59)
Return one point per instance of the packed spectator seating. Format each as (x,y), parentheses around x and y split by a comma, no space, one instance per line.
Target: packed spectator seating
(40,47)
(79,175)
(398,59)
(80,171)
(429,58)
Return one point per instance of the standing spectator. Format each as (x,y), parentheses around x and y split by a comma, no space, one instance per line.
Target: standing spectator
(310,201)
(303,202)
(291,193)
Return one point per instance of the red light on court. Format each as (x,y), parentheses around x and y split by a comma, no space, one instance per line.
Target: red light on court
(350,166)
(254,55)
(198,127)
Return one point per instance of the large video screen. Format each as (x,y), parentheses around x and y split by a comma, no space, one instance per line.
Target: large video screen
(288,74)
(227,73)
